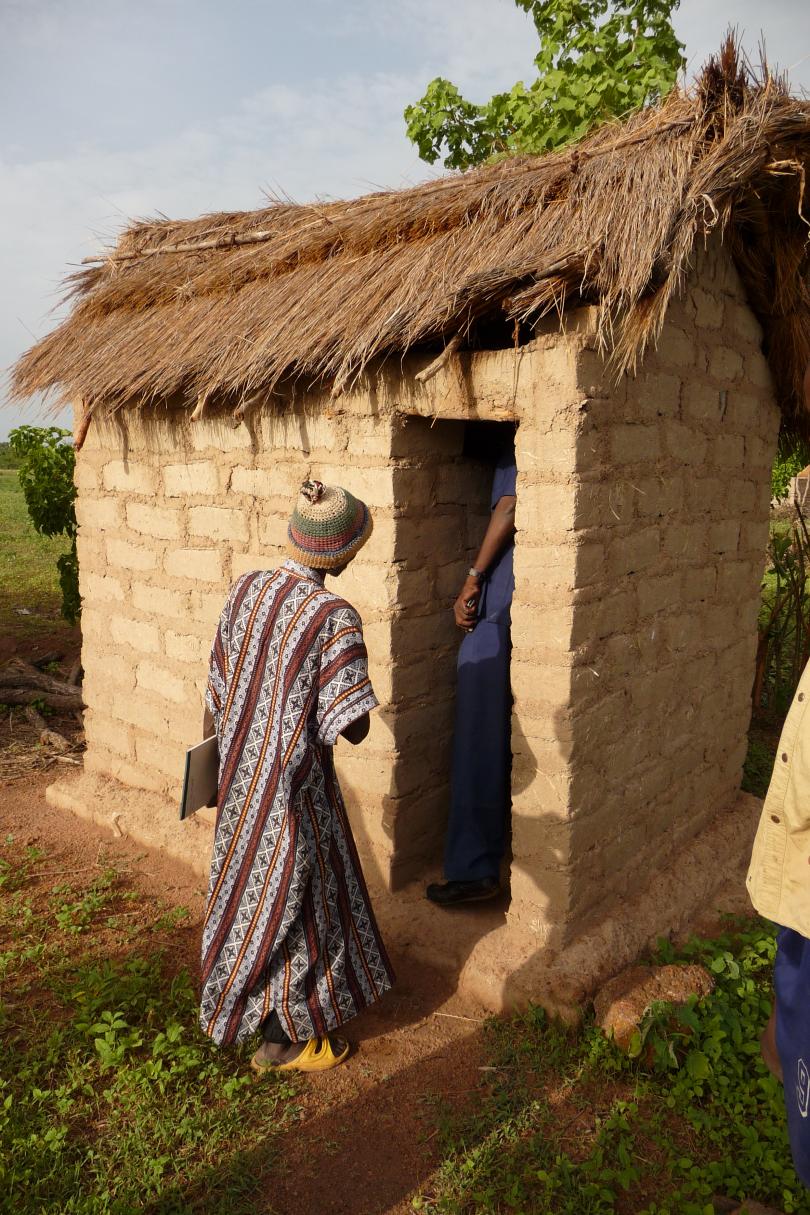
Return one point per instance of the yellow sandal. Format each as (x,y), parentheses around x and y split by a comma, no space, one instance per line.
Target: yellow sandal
(318,1055)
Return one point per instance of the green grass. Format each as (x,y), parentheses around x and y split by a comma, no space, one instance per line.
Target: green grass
(28,574)
(569,1126)
(112,1102)
(111,1099)
(7,457)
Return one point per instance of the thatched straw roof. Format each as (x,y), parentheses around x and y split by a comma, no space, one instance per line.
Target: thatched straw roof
(223,306)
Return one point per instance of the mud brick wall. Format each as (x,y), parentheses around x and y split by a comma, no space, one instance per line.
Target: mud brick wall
(171,512)
(643,517)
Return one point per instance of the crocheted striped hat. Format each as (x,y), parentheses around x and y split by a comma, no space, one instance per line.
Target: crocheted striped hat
(328,526)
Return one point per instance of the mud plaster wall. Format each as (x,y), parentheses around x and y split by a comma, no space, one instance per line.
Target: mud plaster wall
(171,512)
(643,521)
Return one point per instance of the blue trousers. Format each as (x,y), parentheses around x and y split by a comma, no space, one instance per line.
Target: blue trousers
(791,980)
(480,793)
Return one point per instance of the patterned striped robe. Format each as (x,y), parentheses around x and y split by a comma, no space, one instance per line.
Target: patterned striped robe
(288,925)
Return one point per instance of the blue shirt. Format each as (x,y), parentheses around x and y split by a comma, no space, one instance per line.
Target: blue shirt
(499,584)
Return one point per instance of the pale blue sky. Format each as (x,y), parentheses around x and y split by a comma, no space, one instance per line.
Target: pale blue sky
(117,109)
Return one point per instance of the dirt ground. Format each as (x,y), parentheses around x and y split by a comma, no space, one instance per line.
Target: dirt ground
(50,635)
(420,1046)
(369,1137)
(20,756)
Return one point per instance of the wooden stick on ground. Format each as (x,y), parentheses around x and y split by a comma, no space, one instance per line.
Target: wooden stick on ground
(45,659)
(54,700)
(22,684)
(17,671)
(460,1017)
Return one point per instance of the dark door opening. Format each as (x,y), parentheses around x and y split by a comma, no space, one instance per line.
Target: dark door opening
(437,543)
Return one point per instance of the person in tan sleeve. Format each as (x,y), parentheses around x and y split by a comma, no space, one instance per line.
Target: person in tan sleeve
(779,887)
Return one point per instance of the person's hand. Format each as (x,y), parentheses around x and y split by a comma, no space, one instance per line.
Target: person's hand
(465,609)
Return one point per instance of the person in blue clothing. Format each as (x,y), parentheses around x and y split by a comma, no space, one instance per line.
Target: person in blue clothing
(480,794)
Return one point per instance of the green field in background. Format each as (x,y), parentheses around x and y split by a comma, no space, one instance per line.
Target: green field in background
(28,576)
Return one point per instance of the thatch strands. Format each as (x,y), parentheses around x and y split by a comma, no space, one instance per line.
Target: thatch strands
(227,307)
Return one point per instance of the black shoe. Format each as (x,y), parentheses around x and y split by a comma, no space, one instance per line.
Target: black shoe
(447,894)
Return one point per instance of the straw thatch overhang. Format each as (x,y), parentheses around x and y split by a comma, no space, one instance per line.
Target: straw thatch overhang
(224,307)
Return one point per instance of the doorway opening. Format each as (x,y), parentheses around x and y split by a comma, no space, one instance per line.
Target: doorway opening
(437,541)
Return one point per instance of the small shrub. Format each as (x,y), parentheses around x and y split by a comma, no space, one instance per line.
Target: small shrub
(46,463)
(789,462)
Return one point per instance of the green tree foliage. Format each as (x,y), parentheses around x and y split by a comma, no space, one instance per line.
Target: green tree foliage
(47,460)
(598,59)
(790,461)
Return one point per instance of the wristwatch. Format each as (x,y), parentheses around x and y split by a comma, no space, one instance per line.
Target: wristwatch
(472,572)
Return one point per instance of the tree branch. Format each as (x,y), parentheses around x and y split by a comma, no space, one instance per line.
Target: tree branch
(22,684)
(427,373)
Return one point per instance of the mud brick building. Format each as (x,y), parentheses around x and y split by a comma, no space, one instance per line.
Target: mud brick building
(637,309)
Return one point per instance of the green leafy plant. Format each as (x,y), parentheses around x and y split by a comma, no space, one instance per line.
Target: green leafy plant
(598,59)
(46,462)
(570,1125)
(790,460)
(76,913)
(111,1099)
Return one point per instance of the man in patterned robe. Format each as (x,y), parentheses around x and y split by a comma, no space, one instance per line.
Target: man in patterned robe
(290,942)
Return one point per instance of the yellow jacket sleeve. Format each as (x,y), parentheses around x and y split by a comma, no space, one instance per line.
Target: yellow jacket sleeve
(779,875)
